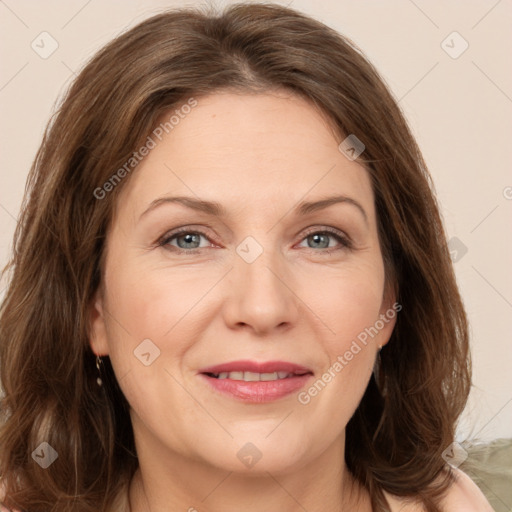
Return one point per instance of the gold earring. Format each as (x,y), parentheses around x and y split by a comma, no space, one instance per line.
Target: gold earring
(98,363)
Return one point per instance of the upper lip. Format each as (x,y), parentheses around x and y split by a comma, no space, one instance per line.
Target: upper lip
(257,367)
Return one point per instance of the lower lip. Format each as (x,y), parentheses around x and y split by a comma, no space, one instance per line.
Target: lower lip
(259,391)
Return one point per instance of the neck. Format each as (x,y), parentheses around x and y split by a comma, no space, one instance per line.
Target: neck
(168,481)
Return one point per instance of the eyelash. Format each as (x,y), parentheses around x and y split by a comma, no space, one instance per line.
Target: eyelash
(344,241)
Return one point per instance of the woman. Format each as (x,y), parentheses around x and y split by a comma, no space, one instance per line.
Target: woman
(230,285)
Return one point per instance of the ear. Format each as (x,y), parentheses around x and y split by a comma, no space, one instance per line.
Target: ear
(388,312)
(98,339)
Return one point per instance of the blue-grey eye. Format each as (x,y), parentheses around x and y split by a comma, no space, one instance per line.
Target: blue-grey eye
(320,240)
(189,240)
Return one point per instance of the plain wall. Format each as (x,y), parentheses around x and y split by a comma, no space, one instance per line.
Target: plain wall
(459,107)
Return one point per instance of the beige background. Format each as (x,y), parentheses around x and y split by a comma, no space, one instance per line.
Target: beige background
(459,109)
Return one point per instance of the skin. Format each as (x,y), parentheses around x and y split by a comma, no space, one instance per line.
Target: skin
(259,156)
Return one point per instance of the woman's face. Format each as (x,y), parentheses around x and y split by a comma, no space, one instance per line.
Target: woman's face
(247,340)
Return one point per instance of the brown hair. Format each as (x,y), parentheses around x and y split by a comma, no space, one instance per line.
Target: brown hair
(404,421)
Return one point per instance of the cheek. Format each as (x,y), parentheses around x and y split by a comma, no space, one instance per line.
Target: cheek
(155,303)
(349,303)
(154,316)
(350,306)
(149,332)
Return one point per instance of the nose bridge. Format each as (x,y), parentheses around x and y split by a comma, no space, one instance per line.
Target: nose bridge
(260,295)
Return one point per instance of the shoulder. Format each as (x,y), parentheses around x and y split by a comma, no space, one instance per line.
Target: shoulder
(463,495)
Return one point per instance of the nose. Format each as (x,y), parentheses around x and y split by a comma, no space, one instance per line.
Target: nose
(260,296)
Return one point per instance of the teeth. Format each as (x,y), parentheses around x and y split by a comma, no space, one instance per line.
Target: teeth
(270,376)
(252,376)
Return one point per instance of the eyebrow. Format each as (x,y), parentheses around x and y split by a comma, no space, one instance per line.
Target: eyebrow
(216,209)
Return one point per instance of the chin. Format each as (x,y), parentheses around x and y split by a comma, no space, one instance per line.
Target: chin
(258,455)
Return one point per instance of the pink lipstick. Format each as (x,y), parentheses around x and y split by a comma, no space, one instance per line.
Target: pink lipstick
(256,382)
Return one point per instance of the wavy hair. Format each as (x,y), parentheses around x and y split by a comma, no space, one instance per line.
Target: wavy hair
(408,413)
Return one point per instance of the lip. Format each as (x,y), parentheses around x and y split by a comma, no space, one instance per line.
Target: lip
(256,367)
(259,391)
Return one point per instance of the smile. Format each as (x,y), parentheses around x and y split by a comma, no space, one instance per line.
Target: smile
(250,381)
(252,376)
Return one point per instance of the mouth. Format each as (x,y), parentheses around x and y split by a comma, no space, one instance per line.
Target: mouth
(253,376)
(250,381)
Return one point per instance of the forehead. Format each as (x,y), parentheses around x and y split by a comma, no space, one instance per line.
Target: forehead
(247,151)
